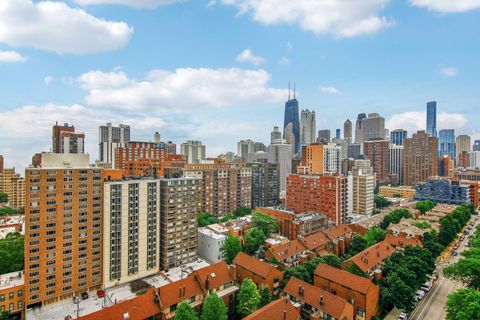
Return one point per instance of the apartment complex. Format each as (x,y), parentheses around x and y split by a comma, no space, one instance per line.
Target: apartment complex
(443,191)
(322,158)
(281,153)
(404,192)
(136,151)
(325,194)
(12,293)
(420,158)
(178,221)
(63,236)
(193,151)
(66,140)
(265,184)
(110,138)
(378,152)
(223,188)
(13,185)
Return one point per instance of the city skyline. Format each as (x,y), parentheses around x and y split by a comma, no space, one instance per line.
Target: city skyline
(82,84)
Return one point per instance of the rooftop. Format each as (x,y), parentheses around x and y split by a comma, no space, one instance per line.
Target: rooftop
(315,240)
(12,279)
(287,250)
(370,257)
(278,309)
(254,265)
(344,278)
(211,233)
(179,273)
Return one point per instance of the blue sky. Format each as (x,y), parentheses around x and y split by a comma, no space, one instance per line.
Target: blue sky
(176,66)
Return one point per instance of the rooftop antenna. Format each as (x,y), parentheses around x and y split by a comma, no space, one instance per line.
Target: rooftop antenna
(294,90)
(289,90)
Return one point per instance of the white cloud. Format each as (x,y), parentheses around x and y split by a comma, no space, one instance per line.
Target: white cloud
(54,26)
(211,3)
(414,121)
(248,56)
(448,71)
(11,56)
(47,80)
(186,88)
(284,61)
(140,4)
(447,6)
(346,18)
(329,90)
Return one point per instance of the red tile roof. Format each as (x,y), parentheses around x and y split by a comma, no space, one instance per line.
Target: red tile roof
(138,308)
(278,309)
(315,240)
(254,265)
(371,256)
(287,250)
(344,278)
(217,274)
(332,304)
(337,232)
(402,242)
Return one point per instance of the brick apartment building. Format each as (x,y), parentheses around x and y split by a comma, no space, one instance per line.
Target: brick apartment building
(325,194)
(378,152)
(281,308)
(223,187)
(139,151)
(420,158)
(260,272)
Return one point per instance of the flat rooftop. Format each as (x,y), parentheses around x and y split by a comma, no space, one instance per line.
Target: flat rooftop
(10,280)
(211,233)
(179,273)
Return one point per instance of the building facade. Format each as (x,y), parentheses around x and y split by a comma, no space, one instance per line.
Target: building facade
(13,185)
(63,236)
(265,184)
(110,138)
(420,158)
(396,162)
(432,118)
(66,140)
(378,152)
(244,147)
(447,147)
(193,151)
(281,154)
(443,191)
(291,116)
(307,127)
(139,151)
(347,131)
(324,136)
(368,128)
(397,136)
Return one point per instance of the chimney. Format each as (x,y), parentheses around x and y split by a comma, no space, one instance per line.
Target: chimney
(180,293)
(207,283)
(321,300)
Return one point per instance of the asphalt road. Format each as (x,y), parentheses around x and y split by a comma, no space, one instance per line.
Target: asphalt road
(432,306)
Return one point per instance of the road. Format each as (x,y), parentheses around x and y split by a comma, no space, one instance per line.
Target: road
(432,307)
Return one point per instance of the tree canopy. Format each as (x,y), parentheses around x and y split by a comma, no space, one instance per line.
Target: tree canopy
(375,235)
(381,202)
(425,206)
(206,218)
(214,308)
(230,248)
(242,211)
(265,296)
(248,298)
(358,244)
(3,197)
(185,312)
(7,211)
(452,223)
(254,238)
(264,222)
(11,253)
(463,304)
(395,216)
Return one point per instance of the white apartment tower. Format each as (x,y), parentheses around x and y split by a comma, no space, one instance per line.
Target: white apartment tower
(110,138)
(307,127)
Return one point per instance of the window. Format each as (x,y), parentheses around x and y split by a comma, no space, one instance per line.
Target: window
(19,293)
(2,297)
(11,295)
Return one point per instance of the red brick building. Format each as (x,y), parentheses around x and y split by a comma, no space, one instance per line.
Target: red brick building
(289,254)
(139,151)
(371,258)
(378,152)
(262,273)
(325,194)
(279,309)
(361,291)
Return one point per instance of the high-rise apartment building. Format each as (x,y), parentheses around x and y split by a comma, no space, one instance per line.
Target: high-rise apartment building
(362,190)
(223,188)
(325,194)
(193,151)
(322,158)
(136,151)
(13,185)
(178,221)
(474,157)
(369,128)
(66,140)
(290,136)
(63,234)
(281,154)
(131,230)
(396,162)
(354,150)
(275,136)
(420,158)
(377,151)
(397,136)
(110,138)
(343,144)
(432,118)
(324,135)
(464,143)
(307,127)
(445,166)
(291,116)
(171,147)
(244,147)
(447,147)
(265,184)
(347,131)
(2,163)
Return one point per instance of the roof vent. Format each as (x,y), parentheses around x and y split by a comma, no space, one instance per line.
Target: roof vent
(126,315)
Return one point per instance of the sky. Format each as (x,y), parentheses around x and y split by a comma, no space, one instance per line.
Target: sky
(218,71)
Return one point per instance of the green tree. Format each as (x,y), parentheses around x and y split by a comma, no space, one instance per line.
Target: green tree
(11,253)
(206,218)
(185,312)
(424,206)
(4,315)
(395,216)
(264,222)
(254,238)
(227,217)
(7,211)
(332,260)
(358,244)
(375,235)
(381,202)
(214,308)
(421,224)
(248,298)
(242,211)
(466,270)
(265,296)
(395,293)
(3,197)
(299,272)
(463,304)
(431,242)
(230,248)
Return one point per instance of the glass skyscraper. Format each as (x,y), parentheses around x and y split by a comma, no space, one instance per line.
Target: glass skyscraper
(397,136)
(291,116)
(432,118)
(447,143)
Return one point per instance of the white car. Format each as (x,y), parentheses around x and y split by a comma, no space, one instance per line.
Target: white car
(419,295)
(426,286)
(403,316)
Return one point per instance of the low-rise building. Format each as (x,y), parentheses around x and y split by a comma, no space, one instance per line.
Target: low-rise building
(281,308)
(262,273)
(443,191)
(403,192)
(209,244)
(288,255)
(316,303)
(340,237)
(318,243)
(362,293)
(12,291)
(370,259)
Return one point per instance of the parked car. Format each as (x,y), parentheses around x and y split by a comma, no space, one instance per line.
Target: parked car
(462,238)
(426,286)
(419,294)
(403,316)
(454,253)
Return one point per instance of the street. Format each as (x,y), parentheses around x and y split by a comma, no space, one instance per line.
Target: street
(432,306)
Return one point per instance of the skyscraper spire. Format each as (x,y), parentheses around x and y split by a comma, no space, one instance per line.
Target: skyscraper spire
(288,90)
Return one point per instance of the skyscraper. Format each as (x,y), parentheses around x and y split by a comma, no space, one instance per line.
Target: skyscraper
(244,147)
(275,136)
(291,116)
(307,127)
(193,151)
(476,145)
(338,133)
(420,158)
(446,138)
(281,153)
(377,151)
(324,135)
(265,184)
(111,138)
(369,128)
(397,136)
(66,140)
(358,128)
(464,143)
(396,162)
(290,136)
(432,118)
(347,131)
